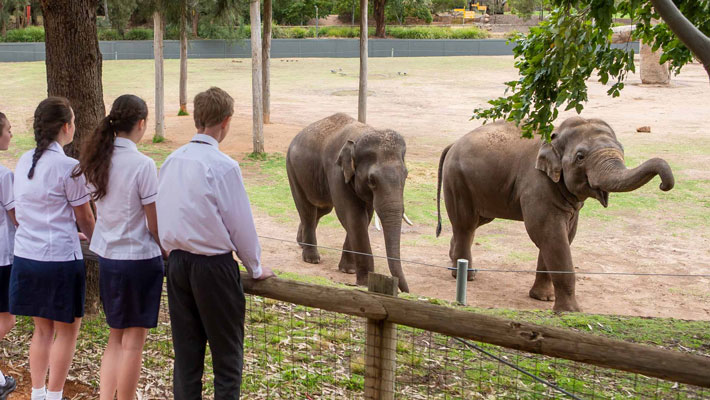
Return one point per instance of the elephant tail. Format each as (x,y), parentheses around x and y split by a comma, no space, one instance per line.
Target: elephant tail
(438,188)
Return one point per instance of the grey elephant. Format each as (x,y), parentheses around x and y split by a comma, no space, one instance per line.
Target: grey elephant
(494,173)
(339,162)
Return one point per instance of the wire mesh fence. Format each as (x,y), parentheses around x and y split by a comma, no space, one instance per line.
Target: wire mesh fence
(298,352)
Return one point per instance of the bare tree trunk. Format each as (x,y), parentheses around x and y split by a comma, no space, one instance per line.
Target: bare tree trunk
(362,94)
(73,61)
(266,60)
(379,14)
(183,62)
(690,35)
(108,21)
(158,25)
(256,77)
(3,28)
(195,23)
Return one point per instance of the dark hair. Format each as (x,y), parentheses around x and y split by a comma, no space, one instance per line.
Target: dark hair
(96,152)
(3,118)
(51,114)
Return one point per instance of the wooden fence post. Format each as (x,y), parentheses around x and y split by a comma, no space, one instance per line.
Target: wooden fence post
(380,345)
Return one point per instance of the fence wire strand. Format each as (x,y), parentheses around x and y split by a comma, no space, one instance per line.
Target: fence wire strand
(494,270)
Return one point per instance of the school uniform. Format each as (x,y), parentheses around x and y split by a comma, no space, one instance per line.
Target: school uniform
(7,236)
(130,262)
(48,279)
(204,215)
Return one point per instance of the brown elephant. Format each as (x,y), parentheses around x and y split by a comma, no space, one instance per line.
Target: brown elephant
(339,162)
(494,173)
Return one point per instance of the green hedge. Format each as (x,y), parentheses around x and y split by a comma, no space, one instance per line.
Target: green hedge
(30,34)
(208,31)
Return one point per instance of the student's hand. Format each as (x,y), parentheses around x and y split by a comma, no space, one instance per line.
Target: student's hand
(266,273)
(83,237)
(164,253)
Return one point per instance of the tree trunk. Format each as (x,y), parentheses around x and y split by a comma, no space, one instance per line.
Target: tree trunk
(362,94)
(3,29)
(689,34)
(158,25)
(266,60)
(195,25)
(73,61)
(256,77)
(183,62)
(108,21)
(379,14)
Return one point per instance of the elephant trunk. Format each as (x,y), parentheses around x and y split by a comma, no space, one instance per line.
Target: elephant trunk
(392,228)
(611,175)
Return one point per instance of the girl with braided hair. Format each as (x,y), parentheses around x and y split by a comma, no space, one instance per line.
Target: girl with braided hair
(48,279)
(7,239)
(124,185)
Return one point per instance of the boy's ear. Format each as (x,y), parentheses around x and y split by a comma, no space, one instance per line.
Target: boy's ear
(226,121)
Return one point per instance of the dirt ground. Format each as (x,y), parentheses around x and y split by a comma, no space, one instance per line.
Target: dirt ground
(431,106)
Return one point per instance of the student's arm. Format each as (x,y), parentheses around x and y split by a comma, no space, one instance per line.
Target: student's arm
(11,213)
(85,220)
(7,197)
(148,193)
(234,207)
(78,197)
(151,215)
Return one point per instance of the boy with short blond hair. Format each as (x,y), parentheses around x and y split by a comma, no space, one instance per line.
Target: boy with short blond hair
(203,216)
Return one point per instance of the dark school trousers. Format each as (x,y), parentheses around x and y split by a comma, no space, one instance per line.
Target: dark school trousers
(206,302)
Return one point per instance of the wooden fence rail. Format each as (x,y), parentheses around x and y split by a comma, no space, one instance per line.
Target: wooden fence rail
(554,342)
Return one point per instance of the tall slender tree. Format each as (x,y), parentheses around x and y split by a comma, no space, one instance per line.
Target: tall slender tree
(158,26)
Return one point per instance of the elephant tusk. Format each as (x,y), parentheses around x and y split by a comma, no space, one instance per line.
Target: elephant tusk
(378,223)
(407,220)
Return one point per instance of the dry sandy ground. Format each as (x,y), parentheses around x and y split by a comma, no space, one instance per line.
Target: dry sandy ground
(433,110)
(431,107)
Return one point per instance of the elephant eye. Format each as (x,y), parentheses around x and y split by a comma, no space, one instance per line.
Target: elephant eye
(580,157)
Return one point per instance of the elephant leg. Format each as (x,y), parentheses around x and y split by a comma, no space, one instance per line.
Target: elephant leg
(551,235)
(306,236)
(461,243)
(542,288)
(347,259)
(355,219)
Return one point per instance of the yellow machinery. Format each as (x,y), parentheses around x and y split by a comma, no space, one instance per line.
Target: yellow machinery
(474,8)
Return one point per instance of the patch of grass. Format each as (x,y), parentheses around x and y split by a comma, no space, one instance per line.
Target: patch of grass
(158,139)
(158,151)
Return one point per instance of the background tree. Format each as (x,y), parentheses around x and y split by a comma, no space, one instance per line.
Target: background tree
(524,8)
(556,59)
(120,12)
(299,12)
(378,11)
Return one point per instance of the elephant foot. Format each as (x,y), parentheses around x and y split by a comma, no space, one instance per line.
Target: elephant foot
(569,305)
(544,294)
(361,280)
(310,255)
(471,274)
(346,267)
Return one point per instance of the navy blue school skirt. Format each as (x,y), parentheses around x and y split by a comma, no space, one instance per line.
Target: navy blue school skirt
(48,289)
(130,291)
(5,288)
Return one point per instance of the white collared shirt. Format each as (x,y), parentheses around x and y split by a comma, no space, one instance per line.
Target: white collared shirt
(203,207)
(7,227)
(43,206)
(121,231)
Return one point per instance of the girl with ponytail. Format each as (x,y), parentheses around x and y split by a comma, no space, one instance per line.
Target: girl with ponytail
(48,280)
(124,185)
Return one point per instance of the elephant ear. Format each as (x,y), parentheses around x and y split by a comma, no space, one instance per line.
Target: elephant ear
(549,160)
(346,161)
